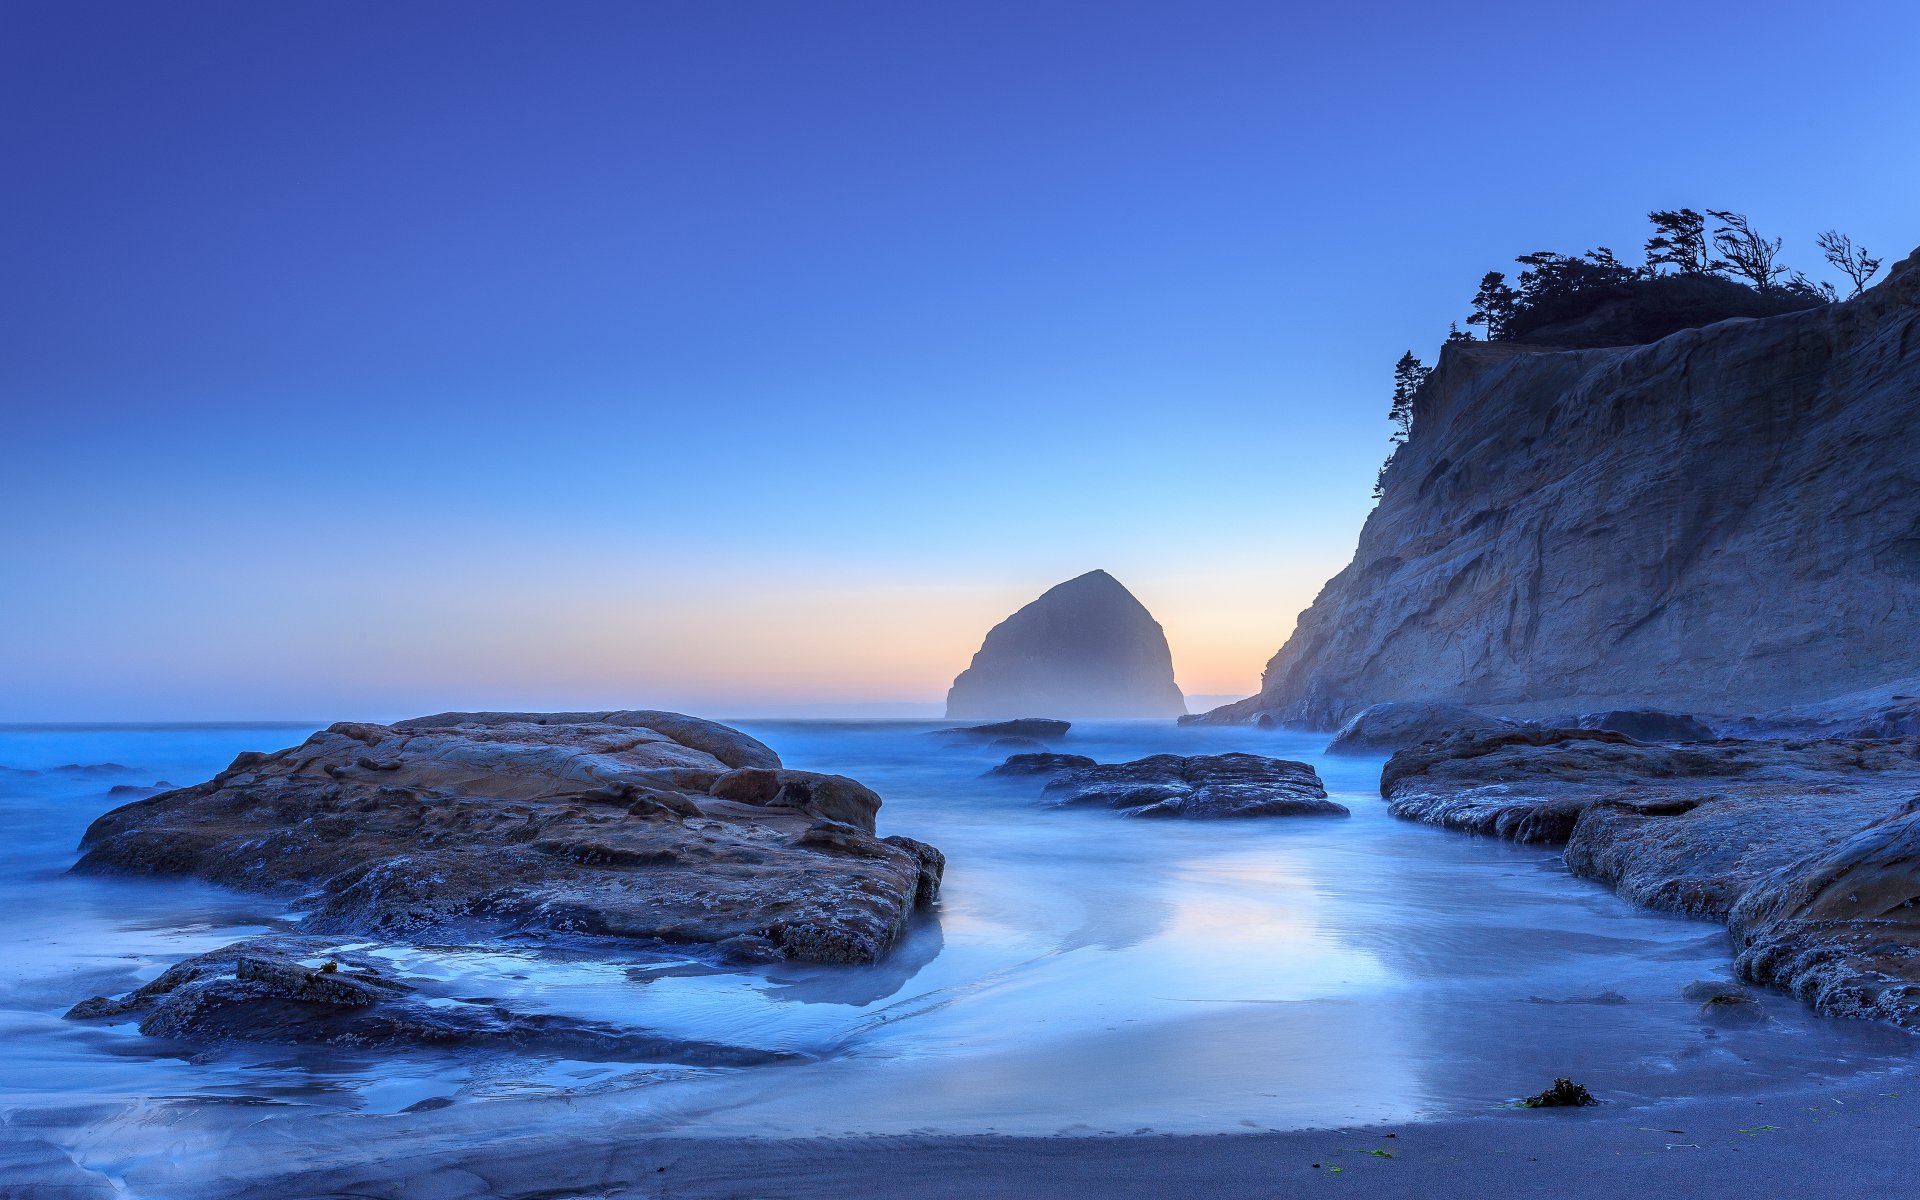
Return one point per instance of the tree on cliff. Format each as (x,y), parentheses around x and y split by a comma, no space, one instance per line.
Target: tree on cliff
(1850,260)
(1679,241)
(1408,374)
(1745,254)
(1494,305)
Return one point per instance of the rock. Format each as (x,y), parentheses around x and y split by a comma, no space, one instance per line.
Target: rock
(829,797)
(1395,725)
(603,826)
(1648,725)
(1041,764)
(1198,786)
(1716,522)
(306,990)
(1086,648)
(1039,729)
(1808,849)
(1564,1093)
(1017,745)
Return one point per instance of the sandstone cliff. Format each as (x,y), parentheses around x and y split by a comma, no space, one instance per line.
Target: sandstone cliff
(1723,521)
(1085,648)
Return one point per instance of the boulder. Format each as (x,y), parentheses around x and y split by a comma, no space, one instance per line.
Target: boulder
(1197,786)
(1809,849)
(1085,648)
(1395,725)
(597,824)
(1649,725)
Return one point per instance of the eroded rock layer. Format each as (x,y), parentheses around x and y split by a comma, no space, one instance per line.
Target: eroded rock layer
(1810,850)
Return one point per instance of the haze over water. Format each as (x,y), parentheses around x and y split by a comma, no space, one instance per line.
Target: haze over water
(1084,973)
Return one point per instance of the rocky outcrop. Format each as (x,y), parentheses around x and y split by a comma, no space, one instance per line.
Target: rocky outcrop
(1041,763)
(1086,648)
(1198,786)
(1395,725)
(1037,729)
(1721,522)
(1810,850)
(308,990)
(635,825)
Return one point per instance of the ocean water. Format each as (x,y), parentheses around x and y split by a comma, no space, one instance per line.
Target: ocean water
(1085,973)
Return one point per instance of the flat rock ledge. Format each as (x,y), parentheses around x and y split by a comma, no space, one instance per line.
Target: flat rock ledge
(1809,850)
(305,990)
(1196,787)
(637,825)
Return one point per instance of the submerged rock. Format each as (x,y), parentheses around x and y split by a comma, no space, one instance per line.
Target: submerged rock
(1198,786)
(1086,648)
(1810,849)
(634,825)
(1395,725)
(305,990)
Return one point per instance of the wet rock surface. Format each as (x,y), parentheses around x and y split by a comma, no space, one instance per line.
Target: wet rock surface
(307,990)
(1395,725)
(1808,849)
(637,825)
(1197,786)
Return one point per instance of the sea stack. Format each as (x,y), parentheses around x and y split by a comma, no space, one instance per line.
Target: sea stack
(1086,648)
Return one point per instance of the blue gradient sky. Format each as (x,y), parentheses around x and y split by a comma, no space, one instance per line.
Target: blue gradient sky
(368,358)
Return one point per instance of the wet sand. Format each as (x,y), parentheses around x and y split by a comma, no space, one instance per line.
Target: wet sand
(1853,1140)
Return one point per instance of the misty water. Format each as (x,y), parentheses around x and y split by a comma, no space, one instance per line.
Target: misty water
(1084,973)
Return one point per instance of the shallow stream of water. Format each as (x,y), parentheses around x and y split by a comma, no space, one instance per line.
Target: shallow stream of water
(1084,973)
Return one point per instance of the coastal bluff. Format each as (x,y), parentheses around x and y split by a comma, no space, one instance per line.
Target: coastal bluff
(1723,521)
(1085,648)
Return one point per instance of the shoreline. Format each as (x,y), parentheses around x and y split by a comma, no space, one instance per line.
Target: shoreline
(1807,1140)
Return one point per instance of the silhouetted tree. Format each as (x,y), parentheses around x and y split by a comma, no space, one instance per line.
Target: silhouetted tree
(1679,241)
(1852,261)
(1457,334)
(1744,253)
(1494,305)
(1408,374)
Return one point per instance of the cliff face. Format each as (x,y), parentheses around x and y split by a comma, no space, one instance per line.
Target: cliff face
(1085,648)
(1723,521)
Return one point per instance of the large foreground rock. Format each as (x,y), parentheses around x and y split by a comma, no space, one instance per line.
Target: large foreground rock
(1810,850)
(1086,648)
(1721,522)
(1197,786)
(637,825)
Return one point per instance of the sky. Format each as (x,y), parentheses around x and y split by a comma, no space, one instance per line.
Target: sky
(362,359)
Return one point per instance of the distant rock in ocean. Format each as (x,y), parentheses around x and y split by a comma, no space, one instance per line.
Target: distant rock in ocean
(1086,648)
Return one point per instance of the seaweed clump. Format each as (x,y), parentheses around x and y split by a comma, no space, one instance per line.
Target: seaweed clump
(1564,1093)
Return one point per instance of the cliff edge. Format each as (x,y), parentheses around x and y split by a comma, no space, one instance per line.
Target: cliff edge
(1722,521)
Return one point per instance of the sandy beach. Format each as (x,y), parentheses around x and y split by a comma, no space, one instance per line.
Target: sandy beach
(1829,1141)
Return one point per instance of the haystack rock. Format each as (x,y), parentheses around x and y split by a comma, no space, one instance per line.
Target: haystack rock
(1086,648)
